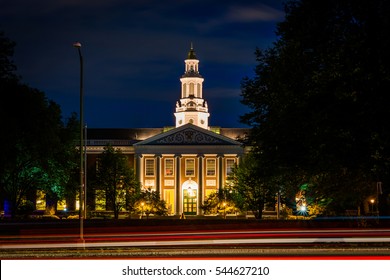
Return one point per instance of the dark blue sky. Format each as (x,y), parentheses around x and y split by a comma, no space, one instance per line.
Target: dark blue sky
(134,53)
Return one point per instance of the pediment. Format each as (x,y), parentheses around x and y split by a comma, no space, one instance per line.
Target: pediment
(189,134)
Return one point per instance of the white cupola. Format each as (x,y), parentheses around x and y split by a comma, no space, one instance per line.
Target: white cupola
(192,108)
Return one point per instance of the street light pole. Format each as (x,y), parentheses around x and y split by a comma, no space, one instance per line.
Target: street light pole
(85,171)
(77,45)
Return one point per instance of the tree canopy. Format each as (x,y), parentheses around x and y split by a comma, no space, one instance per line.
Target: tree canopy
(319,102)
(37,146)
(116,180)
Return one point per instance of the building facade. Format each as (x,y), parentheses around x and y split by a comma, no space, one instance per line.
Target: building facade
(184,163)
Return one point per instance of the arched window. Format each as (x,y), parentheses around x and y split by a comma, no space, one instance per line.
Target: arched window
(198,90)
(192,86)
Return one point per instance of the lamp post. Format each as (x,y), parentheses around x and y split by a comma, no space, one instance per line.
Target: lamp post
(372,201)
(77,45)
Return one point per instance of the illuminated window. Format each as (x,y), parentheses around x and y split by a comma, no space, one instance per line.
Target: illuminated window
(149,167)
(100,200)
(61,205)
(169,167)
(40,203)
(169,197)
(230,163)
(190,167)
(210,167)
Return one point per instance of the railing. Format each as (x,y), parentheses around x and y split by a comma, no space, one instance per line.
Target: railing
(109,141)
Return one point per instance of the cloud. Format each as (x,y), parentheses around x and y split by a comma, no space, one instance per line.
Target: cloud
(241,14)
(259,12)
(42,7)
(134,50)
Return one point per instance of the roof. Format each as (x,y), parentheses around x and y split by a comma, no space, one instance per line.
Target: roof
(191,53)
(189,134)
(131,136)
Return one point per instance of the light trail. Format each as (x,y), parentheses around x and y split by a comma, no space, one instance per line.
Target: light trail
(209,233)
(209,238)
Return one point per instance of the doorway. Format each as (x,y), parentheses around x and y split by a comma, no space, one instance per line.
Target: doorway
(190,197)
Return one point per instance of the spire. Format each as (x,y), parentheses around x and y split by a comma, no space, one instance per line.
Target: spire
(191,53)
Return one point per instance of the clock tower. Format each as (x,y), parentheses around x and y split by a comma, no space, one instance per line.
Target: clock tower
(192,108)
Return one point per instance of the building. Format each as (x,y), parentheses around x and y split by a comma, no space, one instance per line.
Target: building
(184,163)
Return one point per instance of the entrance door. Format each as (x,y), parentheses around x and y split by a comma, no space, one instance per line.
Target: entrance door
(190,202)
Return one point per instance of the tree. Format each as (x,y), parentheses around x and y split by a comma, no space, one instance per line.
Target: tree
(252,189)
(223,201)
(7,67)
(319,98)
(37,146)
(148,202)
(116,179)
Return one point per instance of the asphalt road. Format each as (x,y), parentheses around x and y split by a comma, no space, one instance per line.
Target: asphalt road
(163,239)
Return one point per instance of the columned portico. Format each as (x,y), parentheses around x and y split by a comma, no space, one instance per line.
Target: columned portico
(220,172)
(178,185)
(200,180)
(189,162)
(158,173)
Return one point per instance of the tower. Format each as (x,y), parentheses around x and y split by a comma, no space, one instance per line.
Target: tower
(192,108)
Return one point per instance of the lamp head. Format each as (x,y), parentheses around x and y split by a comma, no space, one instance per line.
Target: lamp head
(77,45)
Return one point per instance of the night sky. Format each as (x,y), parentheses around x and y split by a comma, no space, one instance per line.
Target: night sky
(134,53)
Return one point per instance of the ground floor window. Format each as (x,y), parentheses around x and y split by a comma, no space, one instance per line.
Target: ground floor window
(40,203)
(100,200)
(169,197)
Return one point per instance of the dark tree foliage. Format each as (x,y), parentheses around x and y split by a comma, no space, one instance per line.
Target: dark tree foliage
(319,99)
(7,67)
(37,147)
(116,180)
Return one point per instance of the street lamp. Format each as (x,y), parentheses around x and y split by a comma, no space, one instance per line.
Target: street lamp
(372,206)
(77,45)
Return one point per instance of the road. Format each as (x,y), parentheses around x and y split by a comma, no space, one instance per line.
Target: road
(168,240)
